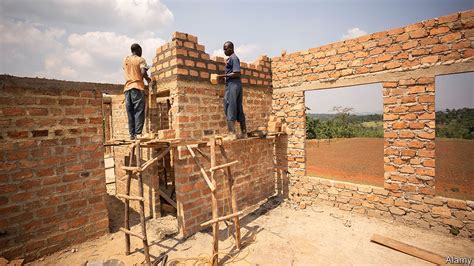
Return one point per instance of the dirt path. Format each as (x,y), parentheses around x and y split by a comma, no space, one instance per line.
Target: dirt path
(277,234)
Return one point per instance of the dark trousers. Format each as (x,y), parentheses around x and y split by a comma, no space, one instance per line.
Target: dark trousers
(135,105)
(233,107)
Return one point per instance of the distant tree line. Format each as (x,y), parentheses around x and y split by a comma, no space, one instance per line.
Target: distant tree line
(455,123)
(343,124)
(452,123)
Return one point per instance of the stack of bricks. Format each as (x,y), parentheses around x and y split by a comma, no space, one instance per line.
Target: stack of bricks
(253,175)
(52,183)
(444,40)
(408,194)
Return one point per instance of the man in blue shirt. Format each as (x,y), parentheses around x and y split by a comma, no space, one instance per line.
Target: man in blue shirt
(233,91)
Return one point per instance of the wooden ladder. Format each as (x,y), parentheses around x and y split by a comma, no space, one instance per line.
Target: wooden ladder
(211,182)
(137,170)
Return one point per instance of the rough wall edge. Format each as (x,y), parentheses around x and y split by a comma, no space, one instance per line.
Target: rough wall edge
(460,67)
(205,84)
(43,83)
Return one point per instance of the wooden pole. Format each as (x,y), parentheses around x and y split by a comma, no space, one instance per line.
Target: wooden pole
(201,169)
(127,203)
(142,208)
(215,226)
(223,218)
(230,182)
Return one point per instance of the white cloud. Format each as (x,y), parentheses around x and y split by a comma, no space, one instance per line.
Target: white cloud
(246,52)
(122,15)
(77,40)
(354,33)
(97,56)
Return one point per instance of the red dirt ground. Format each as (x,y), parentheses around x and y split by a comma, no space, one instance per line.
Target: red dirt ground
(360,160)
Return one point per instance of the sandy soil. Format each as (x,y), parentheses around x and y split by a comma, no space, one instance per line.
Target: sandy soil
(360,160)
(275,234)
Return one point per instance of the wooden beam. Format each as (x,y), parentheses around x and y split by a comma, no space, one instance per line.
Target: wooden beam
(201,169)
(203,154)
(223,166)
(151,161)
(223,218)
(167,198)
(231,189)
(215,226)
(132,168)
(129,197)
(128,232)
(409,249)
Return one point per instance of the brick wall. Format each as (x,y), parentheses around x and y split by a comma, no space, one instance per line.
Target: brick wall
(185,59)
(254,181)
(440,41)
(406,60)
(52,183)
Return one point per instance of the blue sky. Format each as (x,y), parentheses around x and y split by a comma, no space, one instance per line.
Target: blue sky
(86,40)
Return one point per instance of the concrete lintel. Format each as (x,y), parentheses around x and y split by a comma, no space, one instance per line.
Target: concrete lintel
(467,65)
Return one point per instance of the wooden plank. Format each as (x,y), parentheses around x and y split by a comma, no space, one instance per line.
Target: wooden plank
(205,156)
(215,226)
(128,232)
(151,161)
(230,182)
(142,209)
(409,249)
(132,168)
(16,262)
(167,198)
(127,203)
(223,218)
(201,169)
(223,166)
(129,197)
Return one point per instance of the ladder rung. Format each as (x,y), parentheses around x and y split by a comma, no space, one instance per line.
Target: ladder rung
(130,197)
(132,168)
(223,218)
(223,166)
(131,233)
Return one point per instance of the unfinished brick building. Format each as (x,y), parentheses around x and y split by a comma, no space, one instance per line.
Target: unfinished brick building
(52,181)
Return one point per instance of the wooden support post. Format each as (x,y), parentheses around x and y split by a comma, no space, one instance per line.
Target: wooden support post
(142,209)
(127,203)
(230,182)
(215,226)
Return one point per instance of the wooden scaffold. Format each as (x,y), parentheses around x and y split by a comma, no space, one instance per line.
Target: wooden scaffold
(211,182)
